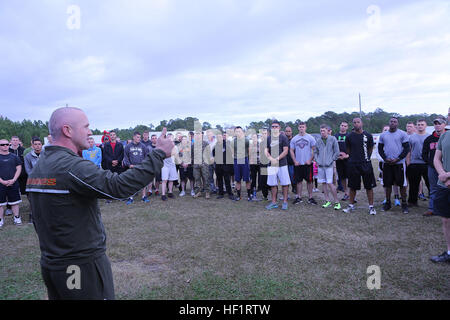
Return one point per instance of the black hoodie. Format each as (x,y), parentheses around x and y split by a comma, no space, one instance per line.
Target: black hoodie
(429,148)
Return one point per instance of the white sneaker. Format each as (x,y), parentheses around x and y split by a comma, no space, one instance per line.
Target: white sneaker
(192,192)
(372,211)
(349,209)
(1,223)
(182,194)
(17,221)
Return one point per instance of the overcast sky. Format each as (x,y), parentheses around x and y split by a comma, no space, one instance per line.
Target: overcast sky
(222,61)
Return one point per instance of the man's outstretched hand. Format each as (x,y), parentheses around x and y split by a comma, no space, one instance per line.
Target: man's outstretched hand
(164,143)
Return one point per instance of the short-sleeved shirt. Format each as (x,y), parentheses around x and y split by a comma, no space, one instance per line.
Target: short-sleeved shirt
(416,142)
(360,145)
(393,143)
(302,147)
(281,142)
(8,164)
(444,147)
(341,137)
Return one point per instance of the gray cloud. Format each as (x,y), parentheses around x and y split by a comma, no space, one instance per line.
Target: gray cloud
(221,61)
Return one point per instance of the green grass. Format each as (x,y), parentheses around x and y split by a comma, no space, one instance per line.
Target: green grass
(189,248)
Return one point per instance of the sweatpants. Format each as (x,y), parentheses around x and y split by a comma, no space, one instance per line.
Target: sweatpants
(415,173)
(87,281)
(223,174)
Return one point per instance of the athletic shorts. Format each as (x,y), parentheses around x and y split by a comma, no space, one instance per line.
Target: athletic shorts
(325,175)
(278,174)
(187,173)
(303,172)
(169,173)
(441,202)
(358,171)
(87,281)
(10,195)
(241,170)
(394,175)
(341,168)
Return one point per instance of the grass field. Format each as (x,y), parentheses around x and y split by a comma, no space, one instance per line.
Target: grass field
(189,248)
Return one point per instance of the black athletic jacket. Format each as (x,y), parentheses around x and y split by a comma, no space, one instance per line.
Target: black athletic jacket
(429,148)
(63,191)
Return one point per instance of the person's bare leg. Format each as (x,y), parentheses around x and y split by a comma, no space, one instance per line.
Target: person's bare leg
(344,185)
(352,196)
(170,186)
(15,210)
(309,187)
(163,187)
(299,189)
(274,194)
(285,193)
(332,189)
(325,191)
(446,228)
(370,196)
(403,194)
(388,192)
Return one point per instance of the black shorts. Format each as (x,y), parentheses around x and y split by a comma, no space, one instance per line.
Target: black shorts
(441,202)
(95,281)
(358,171)
(394,174)
(303,172)
(187,173)
(342,169)
(10,195)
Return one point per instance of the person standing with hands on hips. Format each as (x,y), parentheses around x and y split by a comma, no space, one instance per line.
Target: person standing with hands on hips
(63,190)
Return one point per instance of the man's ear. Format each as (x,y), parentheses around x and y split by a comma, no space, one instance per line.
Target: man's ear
(66,131)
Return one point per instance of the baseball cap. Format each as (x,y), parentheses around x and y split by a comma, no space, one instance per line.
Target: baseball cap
(440,119)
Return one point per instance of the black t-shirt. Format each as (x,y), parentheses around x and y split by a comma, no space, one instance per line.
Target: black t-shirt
(341,141)
(282,142)
(8,164)
(360,144)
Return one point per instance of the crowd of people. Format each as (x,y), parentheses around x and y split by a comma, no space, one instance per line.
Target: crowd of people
(240,165)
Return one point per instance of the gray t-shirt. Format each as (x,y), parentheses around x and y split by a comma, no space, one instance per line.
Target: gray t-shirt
(416,143)
(444,147)
(393,143)
(301,145)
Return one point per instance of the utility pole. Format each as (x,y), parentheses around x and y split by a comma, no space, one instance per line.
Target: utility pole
(360,111)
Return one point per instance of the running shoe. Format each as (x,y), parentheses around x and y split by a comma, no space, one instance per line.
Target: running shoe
(327,204)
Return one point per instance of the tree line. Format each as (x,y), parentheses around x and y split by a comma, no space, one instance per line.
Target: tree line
(373,122)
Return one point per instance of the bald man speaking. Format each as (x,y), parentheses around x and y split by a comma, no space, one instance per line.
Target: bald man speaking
(63,191)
